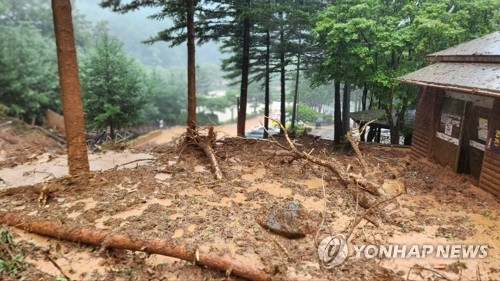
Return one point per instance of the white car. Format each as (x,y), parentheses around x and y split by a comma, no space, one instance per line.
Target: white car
(258,132)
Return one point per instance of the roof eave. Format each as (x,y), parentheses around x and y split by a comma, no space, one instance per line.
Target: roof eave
(473,91)
(465,58)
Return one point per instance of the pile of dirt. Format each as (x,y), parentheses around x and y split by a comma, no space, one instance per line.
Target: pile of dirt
(176,199)
(20,142)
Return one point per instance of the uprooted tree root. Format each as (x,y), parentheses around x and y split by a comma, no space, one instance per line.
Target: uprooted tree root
(226,263)
(206,143)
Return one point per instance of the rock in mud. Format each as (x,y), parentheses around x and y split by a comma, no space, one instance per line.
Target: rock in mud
(290,220)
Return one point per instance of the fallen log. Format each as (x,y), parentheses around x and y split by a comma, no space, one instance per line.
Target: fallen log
(105,239)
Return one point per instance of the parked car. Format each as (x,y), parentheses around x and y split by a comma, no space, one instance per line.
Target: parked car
(258,132)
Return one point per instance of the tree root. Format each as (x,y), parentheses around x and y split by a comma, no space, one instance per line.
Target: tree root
(206,143)
(106,239)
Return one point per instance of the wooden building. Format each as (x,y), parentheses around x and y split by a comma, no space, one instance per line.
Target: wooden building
(457,121)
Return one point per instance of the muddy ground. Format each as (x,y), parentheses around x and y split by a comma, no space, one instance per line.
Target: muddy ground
(175,197)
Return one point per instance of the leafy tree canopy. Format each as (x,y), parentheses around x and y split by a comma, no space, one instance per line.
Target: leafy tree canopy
(114,86)
(28,72)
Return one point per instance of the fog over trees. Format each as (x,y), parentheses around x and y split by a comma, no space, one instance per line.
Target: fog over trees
(134,27)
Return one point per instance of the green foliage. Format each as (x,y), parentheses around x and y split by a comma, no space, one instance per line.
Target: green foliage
(114,86)
(305,113)
(167,96)
(314,97)
(11,257)
(371,43)
(28,72)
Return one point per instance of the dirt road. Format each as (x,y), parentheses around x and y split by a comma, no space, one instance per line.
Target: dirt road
(230,130)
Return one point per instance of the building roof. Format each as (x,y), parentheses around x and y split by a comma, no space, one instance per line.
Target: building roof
(380,117)
(472,67)
(483,49)
(474,78)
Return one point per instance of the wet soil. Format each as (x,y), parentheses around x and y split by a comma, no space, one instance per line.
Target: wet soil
(176,197)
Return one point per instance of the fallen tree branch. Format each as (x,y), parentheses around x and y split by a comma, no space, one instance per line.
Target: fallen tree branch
(364,215)
(133,161)
(333,165)
(354,139)
(47,256)
(105,239)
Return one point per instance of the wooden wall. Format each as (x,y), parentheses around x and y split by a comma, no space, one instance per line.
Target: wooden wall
(426,118)
(490,173)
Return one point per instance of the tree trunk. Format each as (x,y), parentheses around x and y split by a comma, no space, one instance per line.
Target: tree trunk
(112,132)
(191,71)
(346,108)
(245,65)
(282,73)
(267,79)
(69,83)
(337,118)
(363,98)
(296,95)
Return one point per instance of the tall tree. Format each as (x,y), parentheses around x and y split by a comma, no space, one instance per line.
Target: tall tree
(114,86)
(182,14)
(191,69)
(245,67)
(70,88)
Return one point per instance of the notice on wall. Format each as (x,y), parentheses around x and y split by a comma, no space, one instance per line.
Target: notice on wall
(482,130)
(447,138)
(450,124)
(448,128)
(495,141)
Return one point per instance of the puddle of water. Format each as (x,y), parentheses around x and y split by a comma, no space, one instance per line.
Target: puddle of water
(314,183)
(237,168)
(89,203)
(393,187)
(486,233)
(162,177)
(227,201)
(436,263)
(175,216)
(194,192)
(74,264)
(311,203)
(178,233)
(58,167)
(199,169)
(154,260)
(256,174)
(191,227)
(74,215)
(273,189)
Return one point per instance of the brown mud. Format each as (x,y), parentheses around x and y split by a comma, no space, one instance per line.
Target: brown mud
(176,197)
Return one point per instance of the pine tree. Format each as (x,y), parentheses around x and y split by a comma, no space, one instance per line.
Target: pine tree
(114,87)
